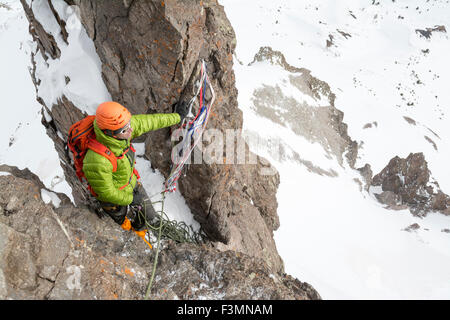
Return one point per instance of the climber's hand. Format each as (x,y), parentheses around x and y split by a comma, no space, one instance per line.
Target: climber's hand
(182,108)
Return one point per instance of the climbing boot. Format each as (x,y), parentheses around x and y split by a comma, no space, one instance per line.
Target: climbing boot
(141,234)
(126,225)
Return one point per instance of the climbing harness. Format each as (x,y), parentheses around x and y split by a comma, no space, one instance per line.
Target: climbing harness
(191,131)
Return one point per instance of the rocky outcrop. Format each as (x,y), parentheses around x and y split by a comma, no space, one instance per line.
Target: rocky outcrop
(366,174)
(46,43)
(214,274)
(428,31)
(407,183)
(65,253)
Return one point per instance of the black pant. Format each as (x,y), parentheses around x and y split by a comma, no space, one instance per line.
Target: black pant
(136,216)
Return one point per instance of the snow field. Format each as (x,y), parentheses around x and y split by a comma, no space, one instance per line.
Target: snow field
(333,234)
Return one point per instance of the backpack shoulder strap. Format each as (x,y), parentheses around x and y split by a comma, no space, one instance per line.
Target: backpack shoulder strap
(99,148)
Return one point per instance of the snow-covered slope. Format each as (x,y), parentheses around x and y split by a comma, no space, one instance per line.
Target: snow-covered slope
(24,141)
(387,64)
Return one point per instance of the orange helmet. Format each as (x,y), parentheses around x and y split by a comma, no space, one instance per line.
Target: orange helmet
(112,116)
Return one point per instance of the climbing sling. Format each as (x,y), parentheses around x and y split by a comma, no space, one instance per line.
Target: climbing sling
(191,131)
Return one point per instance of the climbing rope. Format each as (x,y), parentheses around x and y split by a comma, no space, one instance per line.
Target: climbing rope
(177,231)
(163,227)
(191,131)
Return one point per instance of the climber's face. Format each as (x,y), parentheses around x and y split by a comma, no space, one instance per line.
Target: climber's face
(125,132)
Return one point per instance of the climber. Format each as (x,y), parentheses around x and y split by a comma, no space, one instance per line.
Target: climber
(119,191)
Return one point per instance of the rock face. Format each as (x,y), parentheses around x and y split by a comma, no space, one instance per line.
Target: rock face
(215,274)
(150,53)
(407,183)
(65,253)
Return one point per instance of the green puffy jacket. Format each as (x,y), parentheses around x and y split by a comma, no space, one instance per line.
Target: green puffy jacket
(99,170)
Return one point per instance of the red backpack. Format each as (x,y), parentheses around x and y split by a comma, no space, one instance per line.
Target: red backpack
(81,138)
